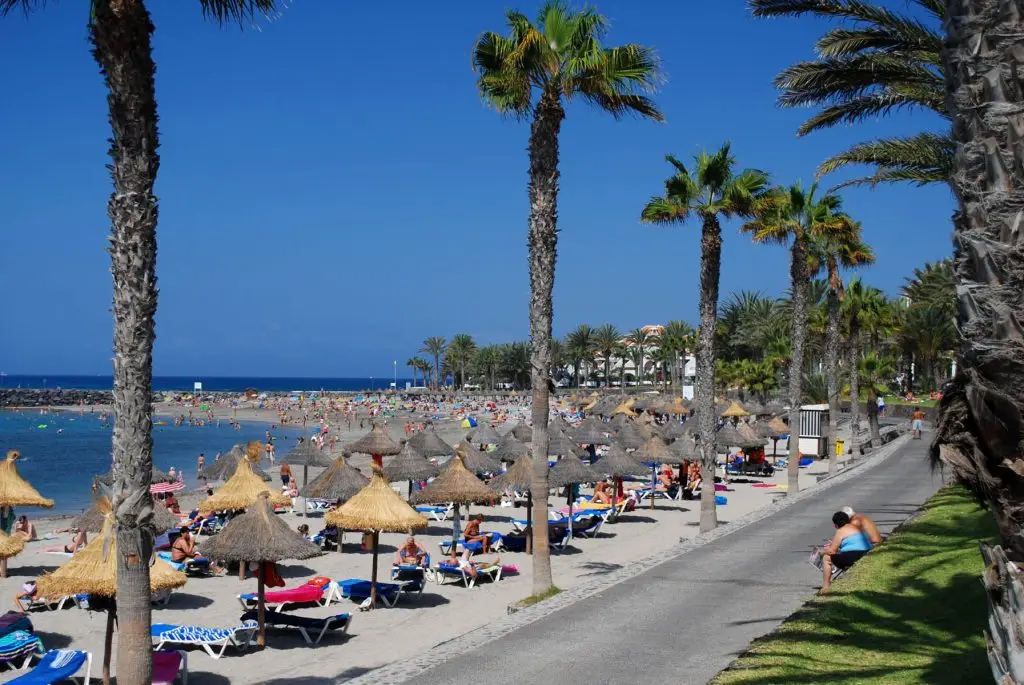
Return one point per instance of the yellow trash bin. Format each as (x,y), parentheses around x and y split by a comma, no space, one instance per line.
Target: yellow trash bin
(839,447)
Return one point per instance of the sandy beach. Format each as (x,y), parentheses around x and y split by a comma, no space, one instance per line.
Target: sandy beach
(419,621)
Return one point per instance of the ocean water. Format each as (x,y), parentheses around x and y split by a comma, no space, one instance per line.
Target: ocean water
(211,383)
(61,452)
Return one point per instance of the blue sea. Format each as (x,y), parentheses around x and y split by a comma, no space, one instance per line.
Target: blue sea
(61,452)
(211,383)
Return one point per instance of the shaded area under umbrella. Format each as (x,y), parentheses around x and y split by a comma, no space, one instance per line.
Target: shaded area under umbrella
(259,536)
(570,471)
(654,452)
(519,477)
(377,508)
(306,454)
(617,464)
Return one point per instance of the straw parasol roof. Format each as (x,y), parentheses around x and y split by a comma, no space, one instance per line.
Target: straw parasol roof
(592,432)
(654,450)
(455,484)
(734,410)
(222,469)
(728,436)
(375,442)
(340,481)
(774,408)
(305,453)
(483,434)
(409,464)
(93,570)
(10,545)
(625,408)
(673,430)
(518,476)
(618,421)
(15,491)
(629,437)
(755,408)
(259,535)
(377,507)
(560,444)
(509,448)
(477,461)
(605,405)
(617,463)
(746,431)
(764,429)
(684,448)
(778,425)
(678,407)
(522,432)
(243,489)
(570,470)
(427,443)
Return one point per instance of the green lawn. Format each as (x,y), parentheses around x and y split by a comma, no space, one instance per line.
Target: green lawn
(912,611)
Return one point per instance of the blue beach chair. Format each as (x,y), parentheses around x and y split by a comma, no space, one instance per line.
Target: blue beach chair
(208,638)
(55,666)
(311,629)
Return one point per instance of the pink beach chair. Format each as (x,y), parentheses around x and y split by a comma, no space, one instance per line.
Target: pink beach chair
(303,594)
(169,667)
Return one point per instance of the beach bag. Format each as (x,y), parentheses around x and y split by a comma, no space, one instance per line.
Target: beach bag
(319,582)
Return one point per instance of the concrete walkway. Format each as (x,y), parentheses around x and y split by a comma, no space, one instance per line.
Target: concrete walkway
(685,620)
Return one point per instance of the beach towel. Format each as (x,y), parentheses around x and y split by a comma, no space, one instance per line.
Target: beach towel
(295,595)
(19,644)
(55,666)
(15,620)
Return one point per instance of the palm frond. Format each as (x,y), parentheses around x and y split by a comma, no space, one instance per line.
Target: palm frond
(833,79)
(920,42)
(855,10)
(618,80)
(240,11)
(857,110)
(920,159)
(664,210)
(6,6)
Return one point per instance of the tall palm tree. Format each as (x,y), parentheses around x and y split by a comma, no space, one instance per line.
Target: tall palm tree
(606,341)
(796,216)
(461,351)
(875,373)
(712,192)
(120,34)
(558,57)
(678,338)
(435,346)
(878,61)
(830,252)
(860,304)
(579,345)
(640,340)
(413,363)
(424,367)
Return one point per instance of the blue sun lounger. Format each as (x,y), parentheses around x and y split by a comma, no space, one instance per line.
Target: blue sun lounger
(19,646)
(207,638)
(55,666)
(358,590)
(311,629)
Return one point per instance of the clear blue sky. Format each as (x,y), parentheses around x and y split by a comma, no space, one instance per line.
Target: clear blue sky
(332,190)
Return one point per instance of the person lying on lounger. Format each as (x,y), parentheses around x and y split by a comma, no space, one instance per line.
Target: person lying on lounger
(470,567)
(847,546)
(411,552)
(27,594)
(473,533)
(601,495)
(184,550)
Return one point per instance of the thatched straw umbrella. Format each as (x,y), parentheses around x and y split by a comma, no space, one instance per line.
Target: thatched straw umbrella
(476,461)
(306,454)
(93,571)
(339,482)
(625,408)
(629,437)
(509,448)
(377,508)
(522,432)
(376,443)
(427,443)
(15,491)
(678,407)
(457,485)
(243,489)
(618,421)
(259,536)
(616,463)
(778,428)
(653,452)
(10,546)
(222,469)
(755,408)
(606,405)
(734,411)
(410,464)
(684,448)
(571,471)
(483,434)
(674,430)
(727,436)
(592,432)
(774,408)
(519,476)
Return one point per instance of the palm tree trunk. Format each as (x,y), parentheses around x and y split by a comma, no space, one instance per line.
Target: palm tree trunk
(876,430)
(799,282)
(832,343)
(120,35)
(854,387)
(542,243)
(437,371)
(704,392)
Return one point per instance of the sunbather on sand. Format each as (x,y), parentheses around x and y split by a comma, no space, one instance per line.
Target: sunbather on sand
(78,542)
(25,528)
(473,533)
(411,552)
(470,567)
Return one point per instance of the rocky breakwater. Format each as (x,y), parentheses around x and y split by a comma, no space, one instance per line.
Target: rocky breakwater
(46,397)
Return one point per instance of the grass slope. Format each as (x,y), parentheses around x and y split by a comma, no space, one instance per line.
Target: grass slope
(910,612)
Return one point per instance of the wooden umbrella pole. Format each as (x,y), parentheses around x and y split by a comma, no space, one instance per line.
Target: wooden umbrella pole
(373,573)
(654,482)
(108,644)
(3,568)
(261,641)
(529,521)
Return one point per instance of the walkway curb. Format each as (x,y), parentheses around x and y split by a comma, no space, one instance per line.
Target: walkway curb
(399,672)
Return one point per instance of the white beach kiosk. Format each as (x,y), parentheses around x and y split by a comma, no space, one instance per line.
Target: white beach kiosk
(813,427)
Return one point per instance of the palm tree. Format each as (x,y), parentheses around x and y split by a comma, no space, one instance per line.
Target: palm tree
(712,192)
(861,304)
(796,216)
(425,368)
(461,351)
(120,33)
(877,62)
(606,341)
(579,345)
(411,362)
(560,57)
(933,286)
(829,252)
(639,340)
(875,374)
(677,339)
(435,346)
